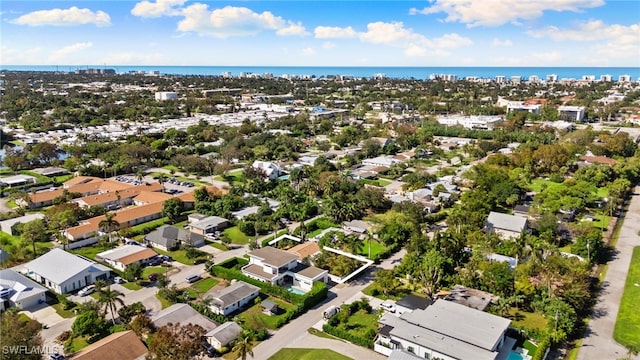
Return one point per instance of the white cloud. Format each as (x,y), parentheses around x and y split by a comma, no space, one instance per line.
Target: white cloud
(328,45)
(308,51)
(295,29)
(615,41)
(332,32)
(158,8)
(451,41)
(11,56)
(64,17)
(62,55)
(499,12)
(232,21)
(501,43)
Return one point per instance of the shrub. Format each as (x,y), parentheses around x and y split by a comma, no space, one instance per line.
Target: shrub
(344,334)
(64,336)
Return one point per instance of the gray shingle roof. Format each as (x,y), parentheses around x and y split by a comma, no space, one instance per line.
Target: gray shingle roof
(225,333)
(168,236)
(233,293)
(507,222)
(183,314)
(58,265)
(272,256)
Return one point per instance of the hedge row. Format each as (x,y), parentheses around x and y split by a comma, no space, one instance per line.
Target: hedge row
(543,346)
(316,295)
(344,334)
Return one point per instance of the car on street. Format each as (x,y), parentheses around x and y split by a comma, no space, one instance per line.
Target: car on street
(87,290)
(155,261)
(56,356)
(153,277)
(193,278)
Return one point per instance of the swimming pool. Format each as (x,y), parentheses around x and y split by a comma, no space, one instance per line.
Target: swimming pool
(296,291)
(516,356)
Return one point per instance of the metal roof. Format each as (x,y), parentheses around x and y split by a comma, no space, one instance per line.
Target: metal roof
(59,266)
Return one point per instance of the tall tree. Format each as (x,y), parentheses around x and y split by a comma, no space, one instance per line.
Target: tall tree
(109,224)
(176,342)
(109,298)
(18,332)
(243,345)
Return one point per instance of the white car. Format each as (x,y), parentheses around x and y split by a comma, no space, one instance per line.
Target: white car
(118,280)
(87,290)
(388,306)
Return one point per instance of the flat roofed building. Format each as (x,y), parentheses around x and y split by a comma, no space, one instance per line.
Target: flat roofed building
(445,330)
(571,113)
(17,180)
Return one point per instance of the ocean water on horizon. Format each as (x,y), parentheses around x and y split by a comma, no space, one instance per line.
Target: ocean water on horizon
(355,71)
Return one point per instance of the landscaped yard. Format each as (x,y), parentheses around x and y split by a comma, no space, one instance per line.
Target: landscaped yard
(536,184)
(520,318)
(236,236)
(371,249)
(360,323)
(255,319)
(374,290)
(216,245)
(378,182)
(153,270)
(307,354)
(205,285)
(236,177)
(93,250)
(181,256)
(627,329)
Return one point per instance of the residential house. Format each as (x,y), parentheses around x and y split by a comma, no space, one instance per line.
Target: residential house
(223,335)
(208,225)
(19,291)
(445,330)
(271,170)
(412,302)
(280,267)
(17,180)
(150,197)
(357,226)
(64,272)
(7,225)
(304,250)
(269,307)
(242,213)
(232,298)
(124,345)
(168,237)
(387,161)
(51,171)
(182,314)
(83,185)
(600,160)
(506,225)
(521,210)
(123,256)
(571,113)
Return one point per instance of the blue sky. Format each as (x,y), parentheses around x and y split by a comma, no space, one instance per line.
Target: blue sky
(321,33)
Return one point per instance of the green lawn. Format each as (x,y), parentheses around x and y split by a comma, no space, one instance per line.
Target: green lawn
(216,245)
(602,221)
(236,236)
(164,302)
(59,308)
(378,182)
(153,270)
(92,250)
(360,322)
(627,330)
(376,248)
(205,285)
(536,185)
(307,354)
(132,285)
(6,239)
(236,177)
(255,319)
(79,343)
(520,318)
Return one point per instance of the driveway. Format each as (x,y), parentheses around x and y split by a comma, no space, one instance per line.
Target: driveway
(598,340)
(53,325)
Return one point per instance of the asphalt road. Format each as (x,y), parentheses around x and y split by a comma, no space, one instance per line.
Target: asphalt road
(296,331)
(598,342)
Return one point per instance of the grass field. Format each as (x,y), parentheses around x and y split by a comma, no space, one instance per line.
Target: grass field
(91,251)
(376,248)
(153,270)
(236,177)
(378,182)
(236,236)
(360,323)
(255,319)
(307,354)
(132,285)
(164,302)
(181,256)
(627,330)
(536,186)
(205,285)
(520,318)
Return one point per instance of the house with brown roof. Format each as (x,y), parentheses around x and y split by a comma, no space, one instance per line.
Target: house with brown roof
(150,196)
(83,185)
(120,198)
(600,160)
(124,345)
(305,250)
(279,267)
(123,256)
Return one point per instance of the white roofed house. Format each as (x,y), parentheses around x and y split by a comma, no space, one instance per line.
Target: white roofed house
(19,291)
(271,170)
(506,225)
(233,297)
(64,272)
(444,330)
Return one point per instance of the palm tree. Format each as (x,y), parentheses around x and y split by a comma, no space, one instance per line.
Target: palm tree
(109,299)
(108,224)
(243,345)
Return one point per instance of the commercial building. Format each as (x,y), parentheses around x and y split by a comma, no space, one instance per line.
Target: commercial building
(166,95)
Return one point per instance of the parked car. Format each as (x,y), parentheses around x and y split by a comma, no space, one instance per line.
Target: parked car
(118,280)
(56,356)
(87,290)
(388,306)
(208,349)
(167,258)
(331,310)
(153,277)
(193,278)
(155,261)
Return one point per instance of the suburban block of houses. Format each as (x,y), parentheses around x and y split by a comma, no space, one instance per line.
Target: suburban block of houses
(64,272)
(233,297)
(445,330)
(124,345)
(168,237)
(279,267)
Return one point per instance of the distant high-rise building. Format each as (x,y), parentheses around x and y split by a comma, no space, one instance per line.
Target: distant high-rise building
(552,78)
(606,78)
(516,79)
(588,77)
(624,78)
(534,79)
(501,79)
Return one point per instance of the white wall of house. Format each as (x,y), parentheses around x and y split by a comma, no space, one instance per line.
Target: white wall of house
(235,306)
